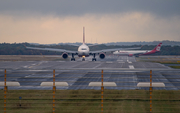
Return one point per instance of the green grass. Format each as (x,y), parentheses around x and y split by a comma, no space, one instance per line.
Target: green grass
(89,101)
(166,62)
(176,67)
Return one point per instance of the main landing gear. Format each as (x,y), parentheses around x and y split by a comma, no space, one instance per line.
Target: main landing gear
(72,59)
(94,59)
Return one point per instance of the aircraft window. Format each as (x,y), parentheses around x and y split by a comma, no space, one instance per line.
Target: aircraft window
(83,49)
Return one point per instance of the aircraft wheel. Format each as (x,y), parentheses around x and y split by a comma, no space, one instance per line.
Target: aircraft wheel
(93,59)
(83,59)
(72,59)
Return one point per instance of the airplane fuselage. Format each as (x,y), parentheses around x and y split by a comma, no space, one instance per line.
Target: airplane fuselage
(83,50)
(131,52)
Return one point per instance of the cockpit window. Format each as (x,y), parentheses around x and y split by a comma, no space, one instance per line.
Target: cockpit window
(83,49)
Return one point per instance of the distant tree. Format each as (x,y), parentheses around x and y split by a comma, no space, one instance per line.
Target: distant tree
(19,49)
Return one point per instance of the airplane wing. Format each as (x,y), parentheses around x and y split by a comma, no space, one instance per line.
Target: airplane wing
(116,49)
(52,49)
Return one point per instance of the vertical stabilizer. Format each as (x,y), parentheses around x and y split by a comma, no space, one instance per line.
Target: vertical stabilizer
(83,34)
(158,47)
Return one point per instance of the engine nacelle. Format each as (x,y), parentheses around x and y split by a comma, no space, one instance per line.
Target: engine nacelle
(65,55)
(102,55)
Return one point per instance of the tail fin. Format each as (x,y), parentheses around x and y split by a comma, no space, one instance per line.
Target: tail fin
(83,35)
(158,47)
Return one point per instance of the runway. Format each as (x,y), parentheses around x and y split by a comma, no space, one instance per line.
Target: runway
(125,71)
(110,62)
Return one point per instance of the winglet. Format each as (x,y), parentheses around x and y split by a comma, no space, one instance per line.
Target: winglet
(83,34)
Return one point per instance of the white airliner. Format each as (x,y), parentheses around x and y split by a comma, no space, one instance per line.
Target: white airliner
(83,51)
(138,52)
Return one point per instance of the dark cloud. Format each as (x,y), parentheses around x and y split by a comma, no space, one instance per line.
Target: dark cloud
(81,7)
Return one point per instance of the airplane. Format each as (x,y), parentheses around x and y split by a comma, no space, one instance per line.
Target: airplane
(138,52)
(83,50)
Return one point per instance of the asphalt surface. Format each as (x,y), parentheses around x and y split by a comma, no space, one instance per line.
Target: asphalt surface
(125,71)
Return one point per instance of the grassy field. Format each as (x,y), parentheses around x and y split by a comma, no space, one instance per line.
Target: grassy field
(176,67)
(89,101)
(159,59)
(162,60)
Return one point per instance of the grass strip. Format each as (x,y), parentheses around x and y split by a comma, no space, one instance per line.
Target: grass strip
(89,101)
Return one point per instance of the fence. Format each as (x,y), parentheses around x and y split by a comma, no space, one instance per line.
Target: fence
(84,91)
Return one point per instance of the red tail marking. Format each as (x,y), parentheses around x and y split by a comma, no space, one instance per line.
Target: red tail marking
(158,47)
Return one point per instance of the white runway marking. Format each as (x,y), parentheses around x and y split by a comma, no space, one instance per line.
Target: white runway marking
(33,65)
(97,62)
(25,66)
(109,62)
(121,62)
(131,67)
(28,76)
(97,66)
(60,61)
(128,61)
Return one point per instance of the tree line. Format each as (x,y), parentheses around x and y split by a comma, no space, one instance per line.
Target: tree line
(20,49)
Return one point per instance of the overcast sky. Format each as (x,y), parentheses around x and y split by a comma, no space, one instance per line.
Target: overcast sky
(56,21)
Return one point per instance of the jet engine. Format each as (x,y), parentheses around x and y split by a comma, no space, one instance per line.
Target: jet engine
(65,55)
(102,55)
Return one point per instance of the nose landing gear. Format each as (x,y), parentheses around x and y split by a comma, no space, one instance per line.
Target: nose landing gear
(72,59)
(94,59)
(83,58)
